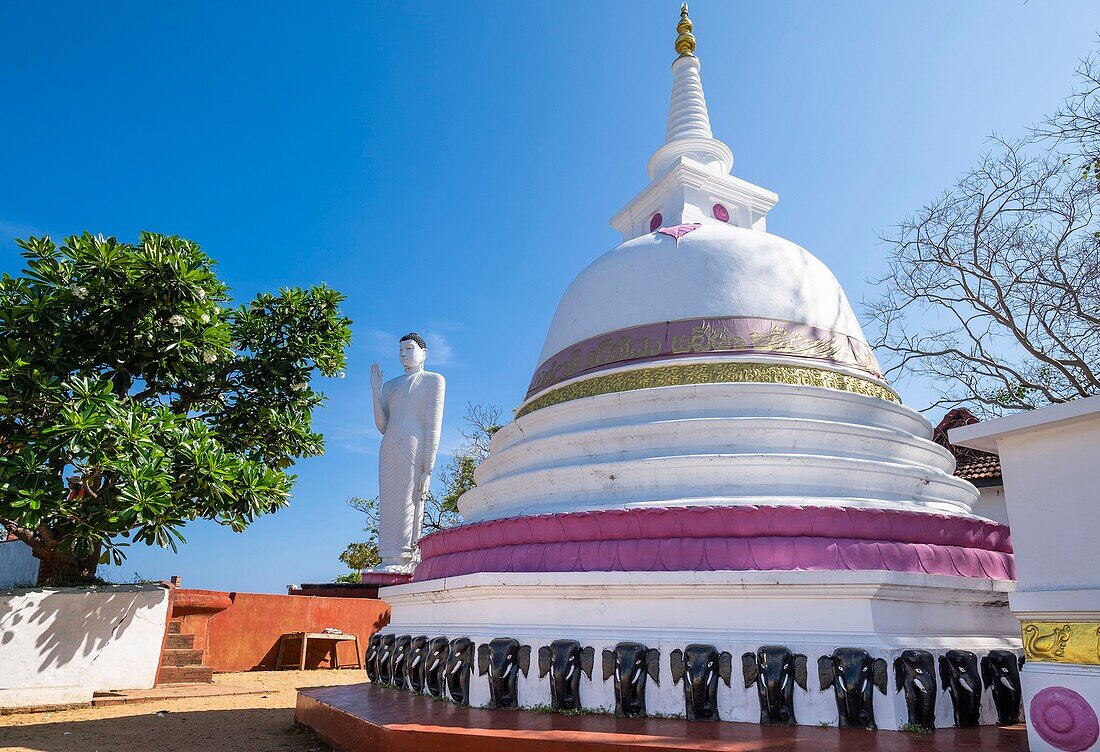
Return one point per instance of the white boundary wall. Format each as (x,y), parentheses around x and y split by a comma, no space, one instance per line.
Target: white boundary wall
(58,646)
(1051,476)
(17,564)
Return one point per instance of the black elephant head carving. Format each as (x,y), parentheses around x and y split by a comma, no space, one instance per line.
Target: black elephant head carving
(853,676)
(460,664)
(631,663)
(1001,675)
(775,670)
(385,659)
(435,667)
(959,676)
(399,673)
(565,661)
(418,652)
(915,673)
(700,667)
(370,660)
(503,659)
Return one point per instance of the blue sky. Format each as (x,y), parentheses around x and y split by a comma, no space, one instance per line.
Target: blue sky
(452,166)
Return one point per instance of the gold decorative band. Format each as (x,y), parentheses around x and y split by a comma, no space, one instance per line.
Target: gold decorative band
(708,373)
(1062,642)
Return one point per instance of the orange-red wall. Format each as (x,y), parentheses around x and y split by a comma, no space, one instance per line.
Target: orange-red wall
(245,636)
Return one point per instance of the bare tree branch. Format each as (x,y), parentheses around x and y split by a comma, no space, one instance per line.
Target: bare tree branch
(993,289)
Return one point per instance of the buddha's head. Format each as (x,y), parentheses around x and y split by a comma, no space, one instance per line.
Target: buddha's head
(413,351)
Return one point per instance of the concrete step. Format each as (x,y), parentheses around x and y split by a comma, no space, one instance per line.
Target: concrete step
(181,658)
(184,674)
(180,642)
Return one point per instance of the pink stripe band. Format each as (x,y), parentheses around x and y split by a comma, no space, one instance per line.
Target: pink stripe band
(736,538)
(736,335)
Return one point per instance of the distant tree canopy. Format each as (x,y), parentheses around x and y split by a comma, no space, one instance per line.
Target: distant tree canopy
(358,556)
(457,477)
(134,399)
(993,289)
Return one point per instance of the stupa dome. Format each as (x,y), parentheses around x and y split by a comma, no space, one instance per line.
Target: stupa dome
(715,271)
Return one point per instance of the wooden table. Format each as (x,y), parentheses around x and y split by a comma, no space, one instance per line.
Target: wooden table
(303,639)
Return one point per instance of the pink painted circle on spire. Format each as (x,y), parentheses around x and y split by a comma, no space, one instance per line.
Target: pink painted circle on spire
(1064,719)
(655,221)
(720,213)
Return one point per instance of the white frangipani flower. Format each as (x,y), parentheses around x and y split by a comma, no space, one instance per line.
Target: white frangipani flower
(209,357)
(79,291)
(176,320)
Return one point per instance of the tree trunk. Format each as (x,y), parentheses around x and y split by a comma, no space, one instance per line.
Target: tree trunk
(62,567)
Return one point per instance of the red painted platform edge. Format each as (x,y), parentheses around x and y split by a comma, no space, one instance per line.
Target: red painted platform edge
(362,718)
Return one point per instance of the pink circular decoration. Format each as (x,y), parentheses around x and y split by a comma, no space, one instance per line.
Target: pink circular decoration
(721,213)
(1064,719)
(655,221)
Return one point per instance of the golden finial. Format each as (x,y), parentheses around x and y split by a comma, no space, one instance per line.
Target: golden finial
(685,42)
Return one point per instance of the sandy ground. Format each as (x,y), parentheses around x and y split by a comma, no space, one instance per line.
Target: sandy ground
(244,723)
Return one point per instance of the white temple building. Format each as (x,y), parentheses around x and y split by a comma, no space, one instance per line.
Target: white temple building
(708,453)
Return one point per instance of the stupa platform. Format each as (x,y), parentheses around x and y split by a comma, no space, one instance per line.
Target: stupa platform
(366,718)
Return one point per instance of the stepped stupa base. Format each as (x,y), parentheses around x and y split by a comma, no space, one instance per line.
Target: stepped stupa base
(809,612)
(367,718)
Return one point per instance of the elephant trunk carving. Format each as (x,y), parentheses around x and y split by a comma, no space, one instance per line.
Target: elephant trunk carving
(700,667)
(418,653)
(1001,675)
(775,671)
(914,673)
(959,676)
(565,661)
(853,676)
(503,659)
(370,660)
(631,663)
(399,670)
(460,664)
(435,667)
(385,659)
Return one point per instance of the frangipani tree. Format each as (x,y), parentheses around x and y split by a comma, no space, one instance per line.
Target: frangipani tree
(134,398)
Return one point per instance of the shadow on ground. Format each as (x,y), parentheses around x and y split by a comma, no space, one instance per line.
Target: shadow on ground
(250,730)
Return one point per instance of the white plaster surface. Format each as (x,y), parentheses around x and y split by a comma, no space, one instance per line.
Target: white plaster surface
(17,564)
(1051,476)
(991,504)
(809,612)
(717,270)
(1084,680)
(65,643)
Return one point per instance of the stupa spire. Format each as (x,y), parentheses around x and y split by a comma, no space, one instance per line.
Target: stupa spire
(688,133)
(685,42)
(689,176)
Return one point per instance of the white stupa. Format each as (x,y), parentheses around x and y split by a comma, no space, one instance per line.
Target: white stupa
(708,453)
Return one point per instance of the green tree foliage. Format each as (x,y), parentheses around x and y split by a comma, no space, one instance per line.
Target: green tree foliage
(360,556)
(457,477)
(134,398)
